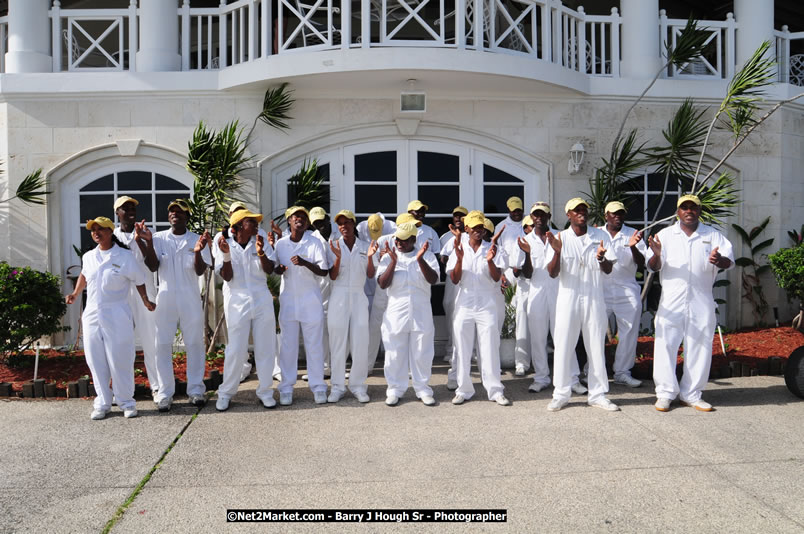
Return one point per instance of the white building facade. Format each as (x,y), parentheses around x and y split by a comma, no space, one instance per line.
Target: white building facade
(104,97)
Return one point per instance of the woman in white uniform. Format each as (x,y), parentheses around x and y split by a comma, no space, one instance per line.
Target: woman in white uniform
(475,268)
(243,261)
(407,272)
(348,309)
(107,272)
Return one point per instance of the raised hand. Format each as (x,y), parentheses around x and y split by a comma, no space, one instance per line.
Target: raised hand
(554,241)
(223,245)
(272,239)
(714,256)
(422,250)
(204,240)
(524,246)
(455,231)
(276,229)
(373,247)
(458,249)
(497,237)
(335,246)
(655,245)
(601,251)
(391,251)
(492,250)
(142,232)
(636,238)
(260,245)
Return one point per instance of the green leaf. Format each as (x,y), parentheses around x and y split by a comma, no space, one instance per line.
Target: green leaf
(275,107)
(762,269)
(763,245)
(721,283)
(743,234)
(744,262)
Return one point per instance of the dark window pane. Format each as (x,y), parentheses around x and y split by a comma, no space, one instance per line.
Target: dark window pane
(160,227)
(293,199)
(439,224)
(163,183)
(86,240)
(635,207)
(134,181)
(435,167)
(668,207)
(656,182)
(495,196)
(144,208)
(439,198)
(96,206)
(493,174)
(373,198)
(376,167)
(496,221)
(323,172)
(101,184)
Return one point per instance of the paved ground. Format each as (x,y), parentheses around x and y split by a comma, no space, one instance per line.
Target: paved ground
(738,469)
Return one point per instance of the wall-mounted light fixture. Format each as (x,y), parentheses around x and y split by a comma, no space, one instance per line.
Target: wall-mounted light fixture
(412,101)
(576,158)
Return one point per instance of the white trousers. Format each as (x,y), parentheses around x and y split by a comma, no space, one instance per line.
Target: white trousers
(312,331)
(175,310)
(145,331)
(696,329)
(348,321)
(378,306)
(109,348)
(541,313)
(450,292)
(579,314)
(626,305)
(484,321)
(243,314)
(408,352)
(522,355)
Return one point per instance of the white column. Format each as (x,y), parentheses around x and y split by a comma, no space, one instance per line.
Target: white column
(641,56)
(754,25)
(28,36)
(159,36)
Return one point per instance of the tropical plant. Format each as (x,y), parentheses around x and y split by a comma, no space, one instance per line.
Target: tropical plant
(509,323)
(788,267)
(796,236)
(276,105)
(753,268)
(32,189)
(306,187)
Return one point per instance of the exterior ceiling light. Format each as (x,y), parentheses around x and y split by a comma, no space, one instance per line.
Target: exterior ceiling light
(412,101)
(576,158)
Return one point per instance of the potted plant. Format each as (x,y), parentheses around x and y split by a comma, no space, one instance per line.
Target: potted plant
(788,267)
(508,333)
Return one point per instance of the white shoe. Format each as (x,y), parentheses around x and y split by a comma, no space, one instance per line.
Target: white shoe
(604,404)
(320,397)
(305,377)
(502,401)
(700,405)
(164,404)
(520,371)
(458,399)
(579,389)
(427,400)
(197,400)
(362,397)
(222,404)
(452,384)
(346,374)
(391,400)
(536,387)
(269,402)
(278,377)
(556,404)
(334,397)
(97,415)
(285,399)
(662,405)
(130,413)
(628,380)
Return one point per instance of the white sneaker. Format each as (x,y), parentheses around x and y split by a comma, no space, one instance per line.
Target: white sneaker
(97,415)
(556,404)
(427,400)
(362,397)
(285,399)
(502,401)
(536,387)
(346,374)
(391,400)
(520,371)
(458,399)
(197,400)
(278,377)
(579,389)
(700,405)
(164,404)
(334,397)
(269,402)
(604,404)
(222,404)
(320,397)
(305,377)
(130,413)
(452,384)
(627,380)
(662,405)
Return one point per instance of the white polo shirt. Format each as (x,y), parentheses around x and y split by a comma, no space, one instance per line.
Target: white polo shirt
(352,271)
(624,271)
(580,271)
(301,289)
(176,257)
(248,277)
(477,290)
(409,294)
(109,275)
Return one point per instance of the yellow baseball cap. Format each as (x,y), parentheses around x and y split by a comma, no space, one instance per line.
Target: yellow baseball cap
(407,217)
(122,200)
(237,205)
(574,203)
(346,213)
(614,207)
(293,209)
(239,215)
(416,205)
(181,203)
(317,214)
(374,224)
(540,206)
(474,218)
(527,221)
(514,203)
(405,231)
(488,225)
(688,198)
(460,209)
(103,222)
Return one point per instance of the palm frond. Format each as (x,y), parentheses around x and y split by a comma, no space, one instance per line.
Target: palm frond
(684,135)
(719,200)
(306,187)
(689,45)
(32,189)
(275,107)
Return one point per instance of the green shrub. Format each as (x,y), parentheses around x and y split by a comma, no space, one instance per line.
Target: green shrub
(788,266)
(31,306)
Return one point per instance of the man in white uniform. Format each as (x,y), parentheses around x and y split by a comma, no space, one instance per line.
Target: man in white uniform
(375,226)
(372,229)
(687,255)
(125,208)
(622,292)
(450,289)
(182,257)
(582,256)
(348,320)
(419,212)
(407,272)
(301,261)
(475,268)
(322,230)
(520,301)
(243,261)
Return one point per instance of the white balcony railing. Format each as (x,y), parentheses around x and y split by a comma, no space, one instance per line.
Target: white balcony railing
(718,56)
(790,56)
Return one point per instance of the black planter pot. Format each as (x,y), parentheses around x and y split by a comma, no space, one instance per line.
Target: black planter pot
(775,365)
(83,387)
(72,390)
(746,370)
(50,390)
(39,388)
(736,369)
(91,391)
(762,367)
(216,378)
(794,372)
(28,390)
(5,389)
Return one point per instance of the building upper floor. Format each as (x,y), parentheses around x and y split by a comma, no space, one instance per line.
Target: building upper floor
(510,45)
